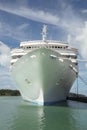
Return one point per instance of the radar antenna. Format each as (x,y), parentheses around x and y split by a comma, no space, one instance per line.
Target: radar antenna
(44,32)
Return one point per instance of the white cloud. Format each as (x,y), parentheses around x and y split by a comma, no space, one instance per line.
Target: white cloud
(4,55)
(33,14)
(79,40)
(84,11)
(68,21)
(17,32)
(5,78)
(82,39)
(76,29)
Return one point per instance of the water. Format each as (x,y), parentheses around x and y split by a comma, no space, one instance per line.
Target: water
(15,114)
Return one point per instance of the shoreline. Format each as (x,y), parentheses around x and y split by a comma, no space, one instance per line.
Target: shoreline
(9,92)
(71,96)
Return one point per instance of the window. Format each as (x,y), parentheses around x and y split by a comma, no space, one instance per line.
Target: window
(19,56)
(14,57)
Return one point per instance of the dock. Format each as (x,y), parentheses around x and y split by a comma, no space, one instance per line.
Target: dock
(77,97)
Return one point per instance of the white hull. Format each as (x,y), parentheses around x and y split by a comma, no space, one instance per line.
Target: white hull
(42,77)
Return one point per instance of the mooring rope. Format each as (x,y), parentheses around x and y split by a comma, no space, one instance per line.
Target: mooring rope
(77,85)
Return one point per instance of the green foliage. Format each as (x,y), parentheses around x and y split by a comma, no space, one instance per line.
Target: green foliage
(7,92)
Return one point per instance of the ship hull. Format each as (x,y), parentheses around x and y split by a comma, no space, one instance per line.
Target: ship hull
(43,77)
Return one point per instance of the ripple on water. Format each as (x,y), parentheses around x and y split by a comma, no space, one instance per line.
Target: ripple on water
(15,114)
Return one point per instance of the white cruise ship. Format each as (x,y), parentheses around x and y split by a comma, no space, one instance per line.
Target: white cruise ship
(44,70)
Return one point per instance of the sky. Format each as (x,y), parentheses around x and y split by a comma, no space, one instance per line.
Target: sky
(22,20)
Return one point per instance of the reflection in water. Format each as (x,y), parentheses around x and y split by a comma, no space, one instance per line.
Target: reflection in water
(19,115)
(41,116)
(30,117)
(63,116)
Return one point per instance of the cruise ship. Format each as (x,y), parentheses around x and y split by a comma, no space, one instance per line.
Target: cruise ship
(44,70)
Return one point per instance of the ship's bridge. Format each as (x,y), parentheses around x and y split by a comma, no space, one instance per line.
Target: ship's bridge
(40,43)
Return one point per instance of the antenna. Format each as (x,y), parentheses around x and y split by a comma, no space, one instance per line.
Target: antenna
(44,32)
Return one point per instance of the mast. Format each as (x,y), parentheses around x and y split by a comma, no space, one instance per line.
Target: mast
(44,32)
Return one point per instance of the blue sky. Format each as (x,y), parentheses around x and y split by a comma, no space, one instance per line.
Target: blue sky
(22,20)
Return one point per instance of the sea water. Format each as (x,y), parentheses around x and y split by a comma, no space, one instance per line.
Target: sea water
(16,114)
